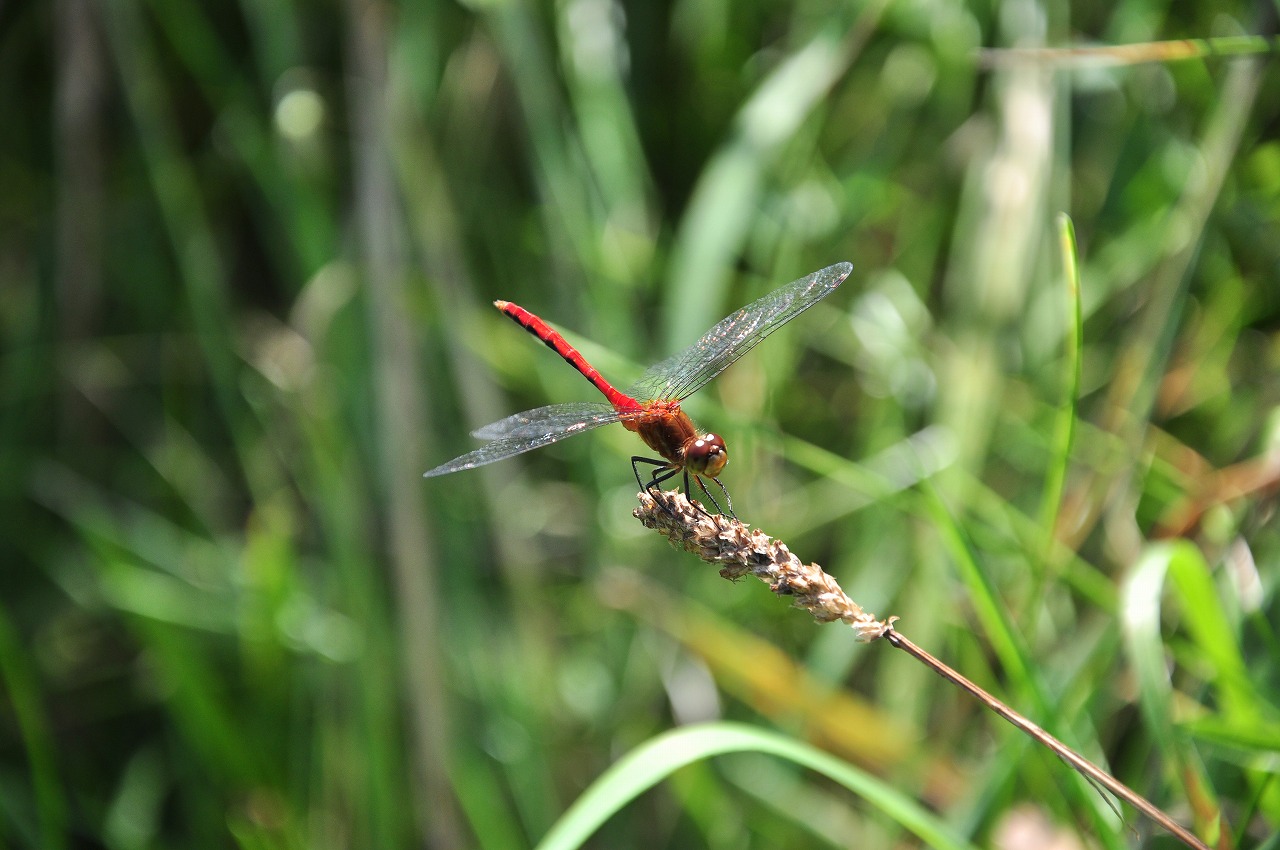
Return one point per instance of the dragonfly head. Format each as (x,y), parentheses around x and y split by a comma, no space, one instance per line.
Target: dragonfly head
(706,455)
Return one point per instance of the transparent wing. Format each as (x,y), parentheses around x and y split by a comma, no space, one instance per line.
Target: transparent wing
(570,418)
(682,375)
(530,430)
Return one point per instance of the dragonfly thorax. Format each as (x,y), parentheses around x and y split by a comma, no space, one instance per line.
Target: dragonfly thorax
(670,432)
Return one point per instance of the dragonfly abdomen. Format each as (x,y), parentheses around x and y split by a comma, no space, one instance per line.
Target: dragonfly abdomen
(553,340)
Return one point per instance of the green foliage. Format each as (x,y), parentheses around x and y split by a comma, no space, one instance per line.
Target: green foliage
(246,259)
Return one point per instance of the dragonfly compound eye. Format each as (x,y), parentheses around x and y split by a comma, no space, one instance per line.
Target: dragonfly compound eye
(706,455)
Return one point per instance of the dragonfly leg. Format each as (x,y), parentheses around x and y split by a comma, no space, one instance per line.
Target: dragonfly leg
(727,510)
(662,466)
(662,471)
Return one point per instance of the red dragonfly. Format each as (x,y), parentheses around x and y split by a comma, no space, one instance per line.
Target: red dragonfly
(651,407)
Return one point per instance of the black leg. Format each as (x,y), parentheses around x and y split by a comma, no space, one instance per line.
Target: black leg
(664,470)
(660,465)
(689,493)
(727,510)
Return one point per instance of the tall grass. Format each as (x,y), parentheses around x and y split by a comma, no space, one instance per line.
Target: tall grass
(247,254)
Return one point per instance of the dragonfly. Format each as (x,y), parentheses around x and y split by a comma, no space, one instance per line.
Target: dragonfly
(651,406)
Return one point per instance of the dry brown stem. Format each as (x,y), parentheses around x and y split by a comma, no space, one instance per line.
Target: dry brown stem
(740,551)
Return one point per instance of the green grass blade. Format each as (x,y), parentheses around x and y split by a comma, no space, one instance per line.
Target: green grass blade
(1114,55)
(1064,427)
(648,765)
(22,692)
(717,223)
(1141,620)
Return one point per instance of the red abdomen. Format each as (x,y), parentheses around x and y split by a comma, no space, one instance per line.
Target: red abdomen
(621,401)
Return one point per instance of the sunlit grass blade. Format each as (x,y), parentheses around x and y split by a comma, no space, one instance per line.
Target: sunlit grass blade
(1141,620)
(718,219)
(991,611)
(1028,690)
(1243,716)
(1102,56)
(477,786)
(1144,359)
(1209,626)
(654,761)
(1064,427)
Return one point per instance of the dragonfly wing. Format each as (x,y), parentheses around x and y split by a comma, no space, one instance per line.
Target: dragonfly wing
(527,431)
(554,417)
(685,373)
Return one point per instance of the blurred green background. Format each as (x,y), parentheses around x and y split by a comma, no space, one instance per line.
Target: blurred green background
(246,258)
